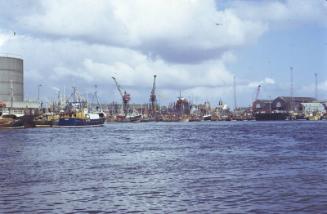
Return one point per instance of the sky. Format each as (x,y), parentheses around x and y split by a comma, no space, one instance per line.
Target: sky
(193,46)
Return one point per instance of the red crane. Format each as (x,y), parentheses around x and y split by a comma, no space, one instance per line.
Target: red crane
(125,97)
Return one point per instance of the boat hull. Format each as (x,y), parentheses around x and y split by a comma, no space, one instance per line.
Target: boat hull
(76,122)
(271,116)
(207,118)
(11,121)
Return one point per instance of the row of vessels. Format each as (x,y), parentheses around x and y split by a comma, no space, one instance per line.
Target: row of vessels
(76,113)
(79,113)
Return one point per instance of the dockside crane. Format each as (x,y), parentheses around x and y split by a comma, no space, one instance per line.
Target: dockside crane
(125,97)
(153,97)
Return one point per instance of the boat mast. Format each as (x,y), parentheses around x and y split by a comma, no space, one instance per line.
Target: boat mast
(291,88)
(316,85)
(234,90)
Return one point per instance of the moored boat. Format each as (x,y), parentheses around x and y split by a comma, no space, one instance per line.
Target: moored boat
(207,117)
(77,114)
(80,118)
(46,120)
(11,121)
(271,116)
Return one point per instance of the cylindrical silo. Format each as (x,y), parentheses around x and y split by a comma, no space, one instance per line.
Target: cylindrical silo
(11,76)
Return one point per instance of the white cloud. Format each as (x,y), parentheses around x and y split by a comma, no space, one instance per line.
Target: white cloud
(164,28)
(266,81)
(66,63)
(187,43)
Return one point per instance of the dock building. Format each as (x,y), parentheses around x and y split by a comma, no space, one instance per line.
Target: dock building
(261,106)
(288,104)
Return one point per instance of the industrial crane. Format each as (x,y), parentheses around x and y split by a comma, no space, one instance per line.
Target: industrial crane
(258,92)
(125,96)
(153,97)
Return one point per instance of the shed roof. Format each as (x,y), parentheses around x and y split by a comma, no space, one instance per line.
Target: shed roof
(264,101)
(298,99)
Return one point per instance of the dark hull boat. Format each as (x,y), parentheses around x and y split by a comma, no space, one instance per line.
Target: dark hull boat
(79,122)
(78,114)
(12,121)
(81,118)
(28,121)
(271,116)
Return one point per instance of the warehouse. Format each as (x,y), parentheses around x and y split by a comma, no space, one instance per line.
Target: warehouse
(261,106)
(287,104)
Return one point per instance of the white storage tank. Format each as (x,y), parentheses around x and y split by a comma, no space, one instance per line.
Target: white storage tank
(11,75)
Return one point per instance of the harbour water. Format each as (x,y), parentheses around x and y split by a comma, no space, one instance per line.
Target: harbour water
(207,167)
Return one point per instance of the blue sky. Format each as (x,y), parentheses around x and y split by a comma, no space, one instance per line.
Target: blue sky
(302,47)
(196,46)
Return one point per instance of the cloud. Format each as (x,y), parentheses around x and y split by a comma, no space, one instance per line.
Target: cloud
(184,31)
(189,44)
(266,81)
(65,62)
(269,81)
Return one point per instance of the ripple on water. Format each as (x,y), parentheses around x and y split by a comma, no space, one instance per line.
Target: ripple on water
(260,167)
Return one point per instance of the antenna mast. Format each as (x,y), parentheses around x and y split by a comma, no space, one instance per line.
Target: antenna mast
(291,88)
(234,89)
(316,85)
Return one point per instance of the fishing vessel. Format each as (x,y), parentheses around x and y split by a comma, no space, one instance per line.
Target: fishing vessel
(81,118)
(9,120)
(206,117)
(77,113)
(46,120)
(128,118)
(271,116)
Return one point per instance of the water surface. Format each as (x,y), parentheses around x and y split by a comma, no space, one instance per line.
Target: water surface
(209,167)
